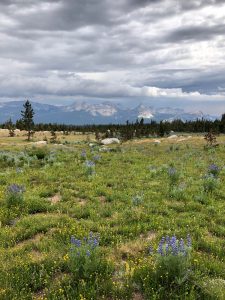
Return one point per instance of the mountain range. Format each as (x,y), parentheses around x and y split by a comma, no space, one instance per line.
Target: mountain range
(81,113)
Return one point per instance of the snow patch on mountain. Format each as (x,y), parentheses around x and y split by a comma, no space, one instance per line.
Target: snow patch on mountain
(102,109)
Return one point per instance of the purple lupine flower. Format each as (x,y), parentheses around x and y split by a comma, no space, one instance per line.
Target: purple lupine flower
(173,240)
(213,169)
(150,250)
(85,246)
(72,239)
(75,242)
(188,240)
(167,248)
(174,249)
(172,171)
(97,157)
(163,240)
(181,246)
(160,249)
(15,189)
(89,164)
(173,246)
(95,242)
(83,153)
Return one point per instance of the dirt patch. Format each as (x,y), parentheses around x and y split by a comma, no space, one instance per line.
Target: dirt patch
(149,236)
(131,249)
(40,295)
(102,199)
(82,201)
(36,255)
(55,199)
(34,239)
(137,296)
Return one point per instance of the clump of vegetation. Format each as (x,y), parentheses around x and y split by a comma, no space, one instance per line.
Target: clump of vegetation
(11,127)
(137,199)
(88,267)
(14,195)
(170,269)
(173,260)
(89,167)
(210,139)
(210,183)
(214,170)
(173,176)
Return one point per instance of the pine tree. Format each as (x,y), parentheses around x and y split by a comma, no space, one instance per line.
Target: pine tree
(27,118)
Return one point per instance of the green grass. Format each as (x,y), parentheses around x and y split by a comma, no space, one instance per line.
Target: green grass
(61,200)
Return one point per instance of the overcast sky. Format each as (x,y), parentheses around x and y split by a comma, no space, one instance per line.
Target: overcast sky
(127,50)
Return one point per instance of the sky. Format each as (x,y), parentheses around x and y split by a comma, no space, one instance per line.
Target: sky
(160,52)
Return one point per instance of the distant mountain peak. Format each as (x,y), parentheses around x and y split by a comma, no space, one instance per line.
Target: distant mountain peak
(84,112)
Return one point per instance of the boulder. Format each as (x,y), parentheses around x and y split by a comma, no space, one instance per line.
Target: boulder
(110,141)
(40,143)
(157,141)
(174,136)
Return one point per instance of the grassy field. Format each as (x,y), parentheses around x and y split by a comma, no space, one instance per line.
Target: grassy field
(85,222)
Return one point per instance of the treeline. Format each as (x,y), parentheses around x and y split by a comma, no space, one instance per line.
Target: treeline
(131,130)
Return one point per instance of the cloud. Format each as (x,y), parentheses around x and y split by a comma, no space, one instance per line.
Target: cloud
(112,49)
(64,85)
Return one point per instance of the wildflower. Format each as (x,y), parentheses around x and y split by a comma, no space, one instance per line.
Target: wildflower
(83,154)
(137,199)
(173,246)
(189,240)
(89,164)
(214,170)
(66,257)
(75,242)
(86,245)
(16,189)
(172,171)
(150,250)
(167,249)
(181,246)
(160,249)
(97,157)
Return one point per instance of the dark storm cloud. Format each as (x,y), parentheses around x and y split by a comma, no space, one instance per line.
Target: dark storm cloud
(197,33)
(106,49)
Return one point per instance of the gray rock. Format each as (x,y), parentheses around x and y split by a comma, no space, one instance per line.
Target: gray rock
(174,136)
(110,141)
(40,143)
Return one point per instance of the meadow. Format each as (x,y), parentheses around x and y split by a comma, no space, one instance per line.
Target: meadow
(140,220)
